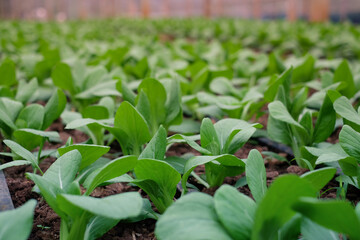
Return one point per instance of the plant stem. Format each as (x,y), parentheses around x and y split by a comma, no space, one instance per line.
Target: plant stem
(200,180)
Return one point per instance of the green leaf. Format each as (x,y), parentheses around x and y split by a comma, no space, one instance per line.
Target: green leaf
(320,177)
(32,116)
(127,94)
(325,122)
(195,213)
(14,163)
(278,111)
(273,87)
(130,121)
(291,229)
(344,108)
(31,138)
(328,213)
(54,107)
(102,89)
(192,163)
(256,175)
(98,226)
(109,103)
(17,224)
(48,190)
(236,211)
(208,137)
(119,206)
(343,74)
(173,102)
(313,231)
(350,166)
(350,141)
(7,73)
(89,153)
(63,171)
(113,169)
(273,212)
(164,175)
(305,71)
(22,152)
(26,90)
(178,138)
(329,157)
(156,97)
(95,112)
(188,126)
(233,133)
(298,102)
(156,148)
(62,77)
(199,76)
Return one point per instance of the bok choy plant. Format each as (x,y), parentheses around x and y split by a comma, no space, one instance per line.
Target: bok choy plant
(291,123)
(26,124)
(82,216)
(345,154)
(159,102)
(85,85)
(219,142)
(129,128)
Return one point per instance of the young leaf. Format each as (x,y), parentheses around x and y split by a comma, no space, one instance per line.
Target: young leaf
(273,211)
(272,90)
(26,90)
(256,175)
(325,122)
(328,213)
(208,137)
(32,116)
(31,138)
(194,212)
(193,162)
(305,71)
(344,108)
(62,77)
(278,111)
(313,231)
(156,148)
(236,211)
(111,170)
(130,121)
(14,163)
(89,153)
(164,175)
(54,107)
(119,206)
(173,102)
(343,74)
(320,177)
(63,171)
(22,152)
(17,223)
(7,73)
(350,141)
(156,95)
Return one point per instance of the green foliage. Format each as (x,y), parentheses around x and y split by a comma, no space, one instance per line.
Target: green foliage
(17,224)
(233,215)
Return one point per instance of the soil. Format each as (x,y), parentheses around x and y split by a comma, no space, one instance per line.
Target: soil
(47,223)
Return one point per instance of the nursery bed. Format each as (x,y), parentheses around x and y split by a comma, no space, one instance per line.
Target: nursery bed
(47,224)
